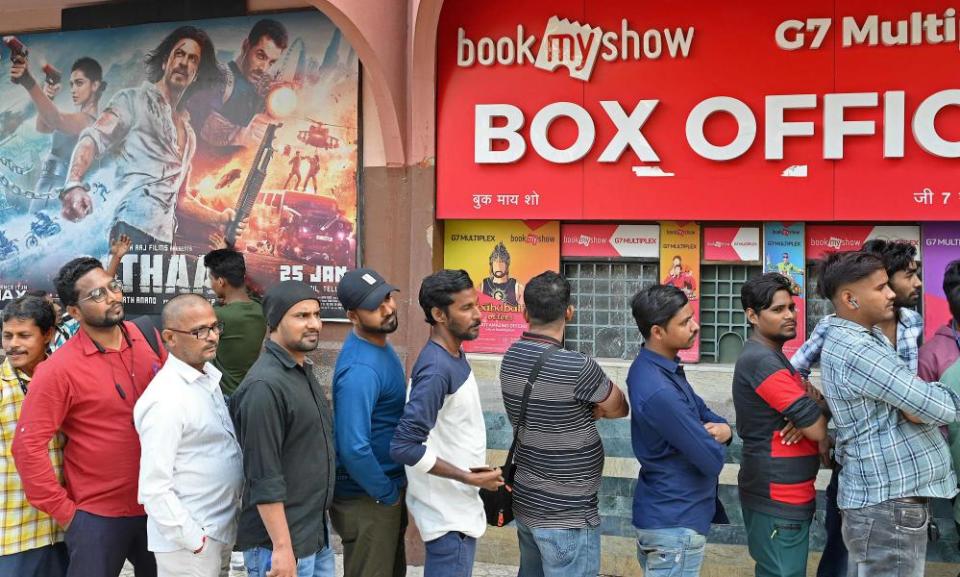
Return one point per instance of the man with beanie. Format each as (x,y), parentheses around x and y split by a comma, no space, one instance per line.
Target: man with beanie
(285,428)
(369,390)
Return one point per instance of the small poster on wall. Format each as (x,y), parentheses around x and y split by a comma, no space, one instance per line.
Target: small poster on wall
(783,253)
(501,256)
(680,267)
(940,242)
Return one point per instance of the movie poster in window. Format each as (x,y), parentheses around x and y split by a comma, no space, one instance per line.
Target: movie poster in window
(182,137)
(783,250)
(680,267)
(501,256)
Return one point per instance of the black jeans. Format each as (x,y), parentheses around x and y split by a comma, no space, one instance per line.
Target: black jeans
(98,546)
(834,561)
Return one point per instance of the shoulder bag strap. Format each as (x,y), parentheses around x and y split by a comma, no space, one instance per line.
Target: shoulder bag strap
(522,419)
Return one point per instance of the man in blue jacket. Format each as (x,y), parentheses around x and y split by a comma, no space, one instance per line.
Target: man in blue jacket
(677,439)
(369,391)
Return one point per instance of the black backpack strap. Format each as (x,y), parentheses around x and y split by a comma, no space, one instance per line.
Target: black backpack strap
(149,331)
(522,419)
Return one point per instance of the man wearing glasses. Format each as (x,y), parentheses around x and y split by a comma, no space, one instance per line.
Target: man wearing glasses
(191,471)
(88,391)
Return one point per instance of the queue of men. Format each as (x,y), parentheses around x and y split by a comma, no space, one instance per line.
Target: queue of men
(171,448)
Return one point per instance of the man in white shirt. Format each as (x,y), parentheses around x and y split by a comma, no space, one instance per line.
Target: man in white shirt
(191,470)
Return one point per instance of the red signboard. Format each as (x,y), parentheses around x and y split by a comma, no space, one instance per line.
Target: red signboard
(615,110)
(731,243)
(610,240)
(823,239)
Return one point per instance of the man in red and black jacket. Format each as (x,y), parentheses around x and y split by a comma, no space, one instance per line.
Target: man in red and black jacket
(778,470)
(87,390)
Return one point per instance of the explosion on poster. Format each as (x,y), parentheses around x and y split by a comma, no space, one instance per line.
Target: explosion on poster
(182,139)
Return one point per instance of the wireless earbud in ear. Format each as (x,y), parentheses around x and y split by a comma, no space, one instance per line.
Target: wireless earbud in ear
(854,302)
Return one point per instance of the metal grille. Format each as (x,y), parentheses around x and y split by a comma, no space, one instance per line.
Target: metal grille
(603,325)
(723,324)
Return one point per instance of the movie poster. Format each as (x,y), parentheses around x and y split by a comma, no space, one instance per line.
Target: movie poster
(783,253)
(180,137)
(501,257)
(941,245)
(680,267)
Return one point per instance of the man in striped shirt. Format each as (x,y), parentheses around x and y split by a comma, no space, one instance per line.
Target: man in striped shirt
(560,457)
(777,474)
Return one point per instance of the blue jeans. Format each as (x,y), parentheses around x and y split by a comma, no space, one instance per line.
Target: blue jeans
(558,552)
(673,552)
(321,564)
(450,556)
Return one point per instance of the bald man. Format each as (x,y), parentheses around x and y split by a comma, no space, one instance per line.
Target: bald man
(191,471)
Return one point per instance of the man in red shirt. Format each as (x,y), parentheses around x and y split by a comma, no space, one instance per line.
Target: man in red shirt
(88,391)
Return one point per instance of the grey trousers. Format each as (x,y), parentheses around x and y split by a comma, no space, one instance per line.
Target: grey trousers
(886,540)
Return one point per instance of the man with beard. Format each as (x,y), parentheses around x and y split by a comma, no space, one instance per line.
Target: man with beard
(228,116)
(88,391)
(499,285)
(191,471)
(149,134)
(285,428)
(369,391)
(442,438)
(777,492)
(903,330)
(31,542)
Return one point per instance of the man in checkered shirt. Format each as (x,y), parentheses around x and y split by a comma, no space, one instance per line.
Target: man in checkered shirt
(31,543)
(904,329)
(888,440)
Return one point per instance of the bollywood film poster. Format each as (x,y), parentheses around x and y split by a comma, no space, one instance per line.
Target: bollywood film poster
(182,138)
(783,250)
(680,267)
(941,246)
(501,256)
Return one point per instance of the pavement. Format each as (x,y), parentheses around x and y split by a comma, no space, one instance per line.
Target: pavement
(479,570)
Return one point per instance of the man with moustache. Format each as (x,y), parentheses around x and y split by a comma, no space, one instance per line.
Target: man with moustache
(887,424)
(230,115)
(191,471)
(678,441)
(441,437)
(87,391)
(149,134)
(499,285)
(285,428)
(31,542)
(369,391)
(776,480)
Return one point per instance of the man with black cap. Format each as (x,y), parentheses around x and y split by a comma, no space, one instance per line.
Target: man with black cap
(369,390)
(285,428)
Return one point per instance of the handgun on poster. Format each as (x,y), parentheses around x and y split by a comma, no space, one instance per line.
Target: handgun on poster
(53,76)
(18,51)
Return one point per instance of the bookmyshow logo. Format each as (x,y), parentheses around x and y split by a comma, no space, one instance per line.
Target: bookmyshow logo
(574,46)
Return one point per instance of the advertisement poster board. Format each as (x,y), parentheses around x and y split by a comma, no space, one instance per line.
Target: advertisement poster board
(501,256)
(783,249)
(622,110)
(731,243)
(680,267)
(826,238)
(610,241)
(177,135)
(941,245)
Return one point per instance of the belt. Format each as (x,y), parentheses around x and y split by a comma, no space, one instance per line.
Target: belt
(913,500)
